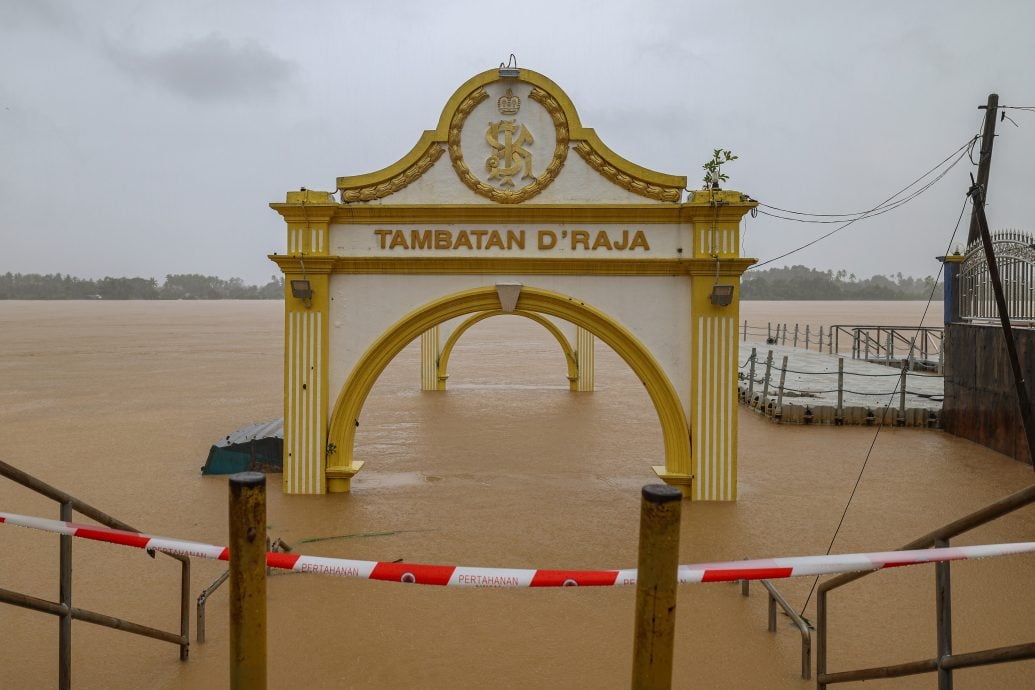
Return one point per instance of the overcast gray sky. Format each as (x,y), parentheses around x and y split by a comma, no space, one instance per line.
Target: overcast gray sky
(145,138)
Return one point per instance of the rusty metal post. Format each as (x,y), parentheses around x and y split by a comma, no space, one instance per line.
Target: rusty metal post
(840,418)
(751,376)
(765,383)
(901,421)
(248,580)
(943,614)
(658,562)
(184,609)
(65,597)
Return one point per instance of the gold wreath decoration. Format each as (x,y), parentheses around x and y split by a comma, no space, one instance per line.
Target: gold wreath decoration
(560,152)
(403,179)
(624,180)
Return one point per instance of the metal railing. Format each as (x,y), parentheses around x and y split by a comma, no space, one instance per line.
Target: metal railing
(921,345)
(275,546)
(803,627)
(764,404)
(63,608)
(1015,257)
(945,661)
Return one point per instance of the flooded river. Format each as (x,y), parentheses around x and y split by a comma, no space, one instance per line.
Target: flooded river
(118,404)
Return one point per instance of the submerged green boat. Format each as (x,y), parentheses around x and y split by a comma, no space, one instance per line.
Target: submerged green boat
(255,448)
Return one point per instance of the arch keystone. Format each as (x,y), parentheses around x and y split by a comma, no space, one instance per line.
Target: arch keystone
(508,294)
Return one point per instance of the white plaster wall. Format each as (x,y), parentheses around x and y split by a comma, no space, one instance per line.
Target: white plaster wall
(656,309)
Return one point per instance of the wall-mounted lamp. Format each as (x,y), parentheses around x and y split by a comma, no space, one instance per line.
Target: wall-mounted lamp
(303,290)
(722,295)
(510,70)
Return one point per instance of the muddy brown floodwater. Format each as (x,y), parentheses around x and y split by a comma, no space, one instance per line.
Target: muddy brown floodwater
(118,403)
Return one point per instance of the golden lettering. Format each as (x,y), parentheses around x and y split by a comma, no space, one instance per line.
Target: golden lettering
(495,240)
(639,240)
(462,240)
(515,239)
(504,240)
(420,239)
(602,240)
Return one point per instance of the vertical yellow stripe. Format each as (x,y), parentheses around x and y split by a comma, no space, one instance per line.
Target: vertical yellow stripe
(296,461)
(585,355)
(289,427)
(726,398)
(699,403)
(321,421)
(299,430)
(429,353)
(304,403)
(297,393)
(712,404)
(310,397)
(731,403)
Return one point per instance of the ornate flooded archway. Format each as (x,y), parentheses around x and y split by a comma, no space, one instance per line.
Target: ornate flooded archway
(342,433)
(510,188)
(442,363)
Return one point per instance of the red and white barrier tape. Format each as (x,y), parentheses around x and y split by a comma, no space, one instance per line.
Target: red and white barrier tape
(463,576)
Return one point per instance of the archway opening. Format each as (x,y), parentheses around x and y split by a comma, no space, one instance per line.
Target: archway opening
(341,467)
(567,350)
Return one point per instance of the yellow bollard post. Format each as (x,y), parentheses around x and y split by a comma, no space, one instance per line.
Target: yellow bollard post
(657,566)
(248,580)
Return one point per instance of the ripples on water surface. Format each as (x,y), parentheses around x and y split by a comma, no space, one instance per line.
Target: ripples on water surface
(118,402)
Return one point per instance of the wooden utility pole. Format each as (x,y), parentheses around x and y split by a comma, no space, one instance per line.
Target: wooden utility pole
(1023,400)
(985,162)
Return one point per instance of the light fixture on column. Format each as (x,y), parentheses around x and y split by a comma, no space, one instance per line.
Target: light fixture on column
(509,70)
(722,295)
(302,289)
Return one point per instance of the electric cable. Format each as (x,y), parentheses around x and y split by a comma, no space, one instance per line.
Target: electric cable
(880,426)
(969,144)
(845,225)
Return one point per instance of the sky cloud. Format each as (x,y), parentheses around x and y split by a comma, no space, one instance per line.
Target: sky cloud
(208,69)
(145,138)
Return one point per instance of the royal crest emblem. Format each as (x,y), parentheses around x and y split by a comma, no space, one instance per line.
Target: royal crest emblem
(508,103)
(510,175)
(509,154)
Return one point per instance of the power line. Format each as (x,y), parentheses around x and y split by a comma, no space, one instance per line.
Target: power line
(883,209)
(886,205)
(880,426)
(968,145)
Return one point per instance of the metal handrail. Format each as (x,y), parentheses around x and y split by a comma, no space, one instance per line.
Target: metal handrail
(945,662)
(64,609)
(277,545)
(803,627)
(203,597)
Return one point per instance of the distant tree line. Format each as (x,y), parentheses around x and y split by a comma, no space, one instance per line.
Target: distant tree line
(803,283)
(182,286)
